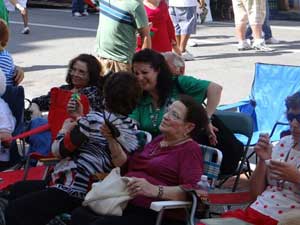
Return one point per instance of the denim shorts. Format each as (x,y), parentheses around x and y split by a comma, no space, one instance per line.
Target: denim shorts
(184,19)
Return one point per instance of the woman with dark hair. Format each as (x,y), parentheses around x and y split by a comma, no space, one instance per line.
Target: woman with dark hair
(83,151)
(83,76)
(161,88)
(158,171)
(275,183)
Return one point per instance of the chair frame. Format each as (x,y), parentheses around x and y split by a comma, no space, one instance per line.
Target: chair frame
(238,123)
(212,161)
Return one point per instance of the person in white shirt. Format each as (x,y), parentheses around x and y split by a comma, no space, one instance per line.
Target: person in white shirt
(184,17)
(275,183)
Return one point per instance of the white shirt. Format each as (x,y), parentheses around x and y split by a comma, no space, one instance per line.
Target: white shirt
(278,198)
(183,3)
(9,6)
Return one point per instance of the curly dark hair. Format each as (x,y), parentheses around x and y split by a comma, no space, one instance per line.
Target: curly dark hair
(121,93)
(293,101)
(93,67)
(158,63)
(196,114)
(4,33)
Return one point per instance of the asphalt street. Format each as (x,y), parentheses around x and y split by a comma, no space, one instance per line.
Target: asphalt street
(56,37)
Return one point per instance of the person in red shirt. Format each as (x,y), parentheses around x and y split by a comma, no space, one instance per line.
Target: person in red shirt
(162,30)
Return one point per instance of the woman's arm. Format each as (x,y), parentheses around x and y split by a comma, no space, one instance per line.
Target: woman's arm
(213,96)
(117,153)
(68,139)
(258,180)
(140,186)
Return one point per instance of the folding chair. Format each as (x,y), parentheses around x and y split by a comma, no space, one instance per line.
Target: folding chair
(57,114)
(212,158)
(271,85)
(239,124)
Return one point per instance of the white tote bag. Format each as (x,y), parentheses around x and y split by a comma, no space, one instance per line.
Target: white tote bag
(109,196)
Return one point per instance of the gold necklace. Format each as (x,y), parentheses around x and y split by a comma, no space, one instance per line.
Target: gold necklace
(164,144)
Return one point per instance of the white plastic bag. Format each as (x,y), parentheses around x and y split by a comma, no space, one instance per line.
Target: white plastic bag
(110,196)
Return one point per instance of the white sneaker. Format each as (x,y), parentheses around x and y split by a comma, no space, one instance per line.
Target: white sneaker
(187,56)
(192,43)
(243,46)
(77,14)
(261,47)
(85,13)
(25,30)
(272,40)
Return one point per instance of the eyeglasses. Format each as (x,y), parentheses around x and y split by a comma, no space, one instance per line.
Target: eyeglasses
(291,117)
(173,114)
(78,72)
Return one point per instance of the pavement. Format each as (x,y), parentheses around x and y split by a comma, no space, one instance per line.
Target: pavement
(56,37)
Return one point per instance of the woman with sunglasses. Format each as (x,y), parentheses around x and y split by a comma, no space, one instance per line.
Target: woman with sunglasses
(275,183)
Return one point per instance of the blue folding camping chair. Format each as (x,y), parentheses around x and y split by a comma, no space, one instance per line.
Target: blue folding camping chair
(266,104)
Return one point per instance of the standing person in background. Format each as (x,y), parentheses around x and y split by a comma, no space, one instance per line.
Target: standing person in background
(254,12)
(21,6)
(266,28)
(116,36)
(162,29)
(78,8)
(184,16)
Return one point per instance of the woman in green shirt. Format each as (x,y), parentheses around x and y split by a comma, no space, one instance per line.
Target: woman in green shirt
(3,11)
(161,88)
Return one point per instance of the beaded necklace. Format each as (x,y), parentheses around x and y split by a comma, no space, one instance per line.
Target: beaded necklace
(154,114)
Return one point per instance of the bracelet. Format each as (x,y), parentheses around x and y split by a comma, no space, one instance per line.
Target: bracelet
(160,191)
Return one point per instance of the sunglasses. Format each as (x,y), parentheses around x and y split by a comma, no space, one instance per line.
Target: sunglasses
(291,117)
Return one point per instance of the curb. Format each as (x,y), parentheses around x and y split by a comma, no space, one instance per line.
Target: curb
(49,4)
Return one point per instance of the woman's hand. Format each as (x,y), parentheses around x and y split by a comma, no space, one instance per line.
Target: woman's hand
(106,132)
(74,108)
(263,147)
(68,125)
(140,186)
(212,134)
(19,75)
(284,171)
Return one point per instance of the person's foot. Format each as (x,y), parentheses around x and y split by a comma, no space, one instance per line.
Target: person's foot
(261,46)
(243,46)
(186,56)
(192,43)
(85,13)
(77,14)
(25,30)
(272,40)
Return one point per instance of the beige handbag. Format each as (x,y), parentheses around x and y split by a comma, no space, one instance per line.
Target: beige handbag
(110,196)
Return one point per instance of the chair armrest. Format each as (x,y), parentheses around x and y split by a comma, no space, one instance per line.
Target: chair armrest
(233,105)
(160,205)
(31,132)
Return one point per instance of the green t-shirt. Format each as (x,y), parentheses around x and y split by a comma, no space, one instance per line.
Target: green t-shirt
(149,118)
(118,24)
(3,12)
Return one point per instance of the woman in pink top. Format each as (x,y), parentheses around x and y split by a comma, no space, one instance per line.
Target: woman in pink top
(162,29)
(158,171)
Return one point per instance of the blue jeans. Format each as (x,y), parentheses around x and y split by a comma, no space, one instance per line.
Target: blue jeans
(77,6)
(266,28)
